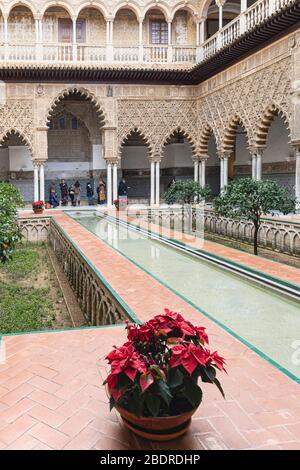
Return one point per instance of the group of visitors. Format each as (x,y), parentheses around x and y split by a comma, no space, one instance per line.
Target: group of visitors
(73,193)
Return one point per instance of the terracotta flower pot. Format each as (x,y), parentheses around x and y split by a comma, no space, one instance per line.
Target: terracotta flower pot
(157,429)
(38,210)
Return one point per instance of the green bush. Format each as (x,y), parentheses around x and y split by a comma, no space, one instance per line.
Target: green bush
(10,200)
(186,192)
(249,199)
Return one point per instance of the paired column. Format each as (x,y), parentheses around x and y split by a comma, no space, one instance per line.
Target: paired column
(109,40)
(223,171)
(199,171)
(257,163)
(39,39)
(141,54)
(38,181)
(6,45)
(155,182)
(35,182)
(112,182)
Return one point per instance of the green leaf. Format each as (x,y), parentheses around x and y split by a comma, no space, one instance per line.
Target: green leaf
(136,402)
(164,391)
(208,374)
(111,403)
(153,404)
(175,378)
(216,381)
(192,392)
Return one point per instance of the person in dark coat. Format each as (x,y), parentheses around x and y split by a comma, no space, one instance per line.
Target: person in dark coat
(53,200)
(64,193)
(90,193)
(72,193)
(123,188)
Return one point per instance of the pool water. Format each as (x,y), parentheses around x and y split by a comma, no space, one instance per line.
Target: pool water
(266,320)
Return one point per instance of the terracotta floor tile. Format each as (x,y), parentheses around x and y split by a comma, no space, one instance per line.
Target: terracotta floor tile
(14,430)
(49,436)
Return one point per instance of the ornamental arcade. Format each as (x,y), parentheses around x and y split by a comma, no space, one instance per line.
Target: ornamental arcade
(149,91)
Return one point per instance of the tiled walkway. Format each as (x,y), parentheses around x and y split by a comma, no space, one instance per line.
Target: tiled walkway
(50,385)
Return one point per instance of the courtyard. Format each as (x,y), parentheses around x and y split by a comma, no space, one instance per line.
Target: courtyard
(149,228)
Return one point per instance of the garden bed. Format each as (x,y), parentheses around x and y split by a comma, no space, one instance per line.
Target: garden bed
(30,295)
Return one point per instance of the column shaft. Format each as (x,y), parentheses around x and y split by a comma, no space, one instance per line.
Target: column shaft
(225,182)
(109,186)
(203,173)
(42,182)
(196,171)
(221,174)
(157,183)
(36,182)
(152,183)
(258,166)
(115,181)
(254,166)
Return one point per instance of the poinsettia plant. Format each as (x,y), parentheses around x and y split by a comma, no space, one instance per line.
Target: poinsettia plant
(38,205)
(156,372)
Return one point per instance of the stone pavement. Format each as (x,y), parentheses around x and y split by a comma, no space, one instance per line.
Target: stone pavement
(51,393)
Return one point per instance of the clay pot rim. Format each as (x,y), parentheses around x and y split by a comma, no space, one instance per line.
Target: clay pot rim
(120,409)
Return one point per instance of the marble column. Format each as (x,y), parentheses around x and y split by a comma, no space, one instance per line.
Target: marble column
(202,182)
(109,185)
(157,182)
(254,166)
(152,183)
(196,171)
(35,182)
(115,181)
(42,182)
(258,164)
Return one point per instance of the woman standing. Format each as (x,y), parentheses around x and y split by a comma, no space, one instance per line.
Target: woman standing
(72,193)
(64,193)
(77,193)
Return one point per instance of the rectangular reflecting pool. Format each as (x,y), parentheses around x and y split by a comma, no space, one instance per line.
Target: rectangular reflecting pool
(267,321)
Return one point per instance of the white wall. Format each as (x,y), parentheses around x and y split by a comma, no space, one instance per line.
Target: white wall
(135,157)
(20,159)
(278,149)
(177,155)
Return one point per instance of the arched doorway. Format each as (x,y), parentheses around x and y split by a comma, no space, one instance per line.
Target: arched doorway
(135,166)
(16,164)
(177,161)
(278,163)
(75,148)
(236,148)
(21,33)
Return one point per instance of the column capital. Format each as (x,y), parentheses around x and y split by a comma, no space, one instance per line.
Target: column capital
(296,145)
(112,161)
(254,150)
(224,155)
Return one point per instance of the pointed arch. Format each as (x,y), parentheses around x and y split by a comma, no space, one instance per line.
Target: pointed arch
(185,134)
(229,135)
(84,93)
(24,139)
(265,122)
(205,134)
(142,135)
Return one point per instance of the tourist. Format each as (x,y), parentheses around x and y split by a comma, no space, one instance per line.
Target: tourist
(53,199)
(90,193)
(72,193)
(101,195)
(64,193)
(101,192)
(52,188)
(77,193)
(123,188)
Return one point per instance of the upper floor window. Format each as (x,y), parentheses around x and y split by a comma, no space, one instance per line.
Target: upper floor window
(74,123)
(62,123)
(159,32)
